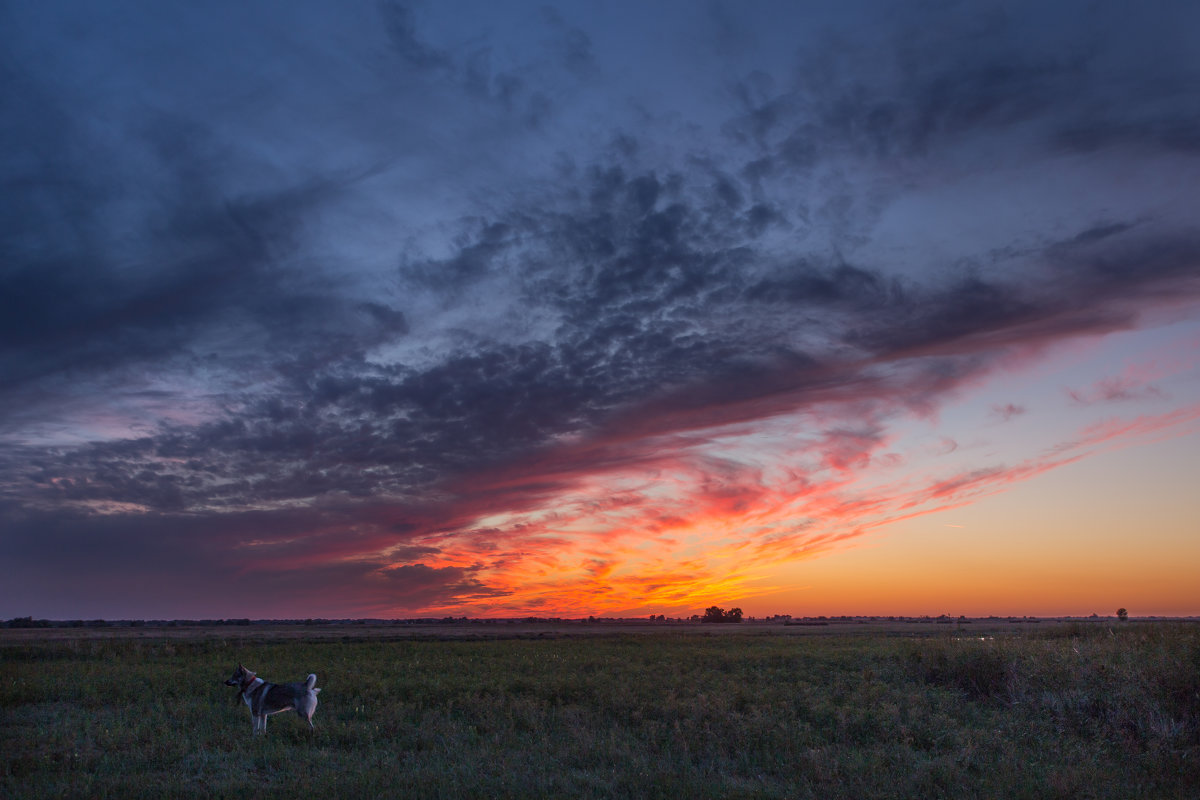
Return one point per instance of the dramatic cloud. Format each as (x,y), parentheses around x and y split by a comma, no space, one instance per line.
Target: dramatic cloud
(375,311)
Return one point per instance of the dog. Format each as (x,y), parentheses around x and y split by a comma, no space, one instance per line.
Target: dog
(266,698)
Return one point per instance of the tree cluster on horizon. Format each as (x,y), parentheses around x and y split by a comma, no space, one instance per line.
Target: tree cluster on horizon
(715,614)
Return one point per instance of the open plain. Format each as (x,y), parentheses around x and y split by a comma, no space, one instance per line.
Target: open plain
(853,709)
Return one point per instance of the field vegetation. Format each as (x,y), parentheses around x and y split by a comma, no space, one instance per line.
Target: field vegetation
(1085,711)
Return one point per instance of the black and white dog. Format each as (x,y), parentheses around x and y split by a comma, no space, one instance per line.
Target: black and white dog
(266,698)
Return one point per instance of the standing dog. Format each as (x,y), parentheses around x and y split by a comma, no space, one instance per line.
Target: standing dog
(266,698)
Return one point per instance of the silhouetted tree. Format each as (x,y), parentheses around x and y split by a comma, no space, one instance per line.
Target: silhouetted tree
(715,614)
(1122,614)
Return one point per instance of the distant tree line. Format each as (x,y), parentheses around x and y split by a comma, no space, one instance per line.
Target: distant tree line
(712,614)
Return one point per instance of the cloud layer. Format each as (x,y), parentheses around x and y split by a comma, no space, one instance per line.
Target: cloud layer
(378,313)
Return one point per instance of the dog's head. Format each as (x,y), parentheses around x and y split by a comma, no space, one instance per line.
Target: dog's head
(241,676)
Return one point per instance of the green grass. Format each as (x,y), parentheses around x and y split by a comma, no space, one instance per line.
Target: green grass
(1081,714)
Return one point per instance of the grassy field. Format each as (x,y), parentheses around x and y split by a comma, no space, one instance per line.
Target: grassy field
(1075,712)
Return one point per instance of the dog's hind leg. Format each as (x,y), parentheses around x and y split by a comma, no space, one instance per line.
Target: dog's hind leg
(307,706)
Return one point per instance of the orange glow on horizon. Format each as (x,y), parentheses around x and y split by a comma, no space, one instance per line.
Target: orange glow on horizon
(729,534)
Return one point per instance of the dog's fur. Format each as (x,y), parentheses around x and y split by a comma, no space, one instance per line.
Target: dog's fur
(266,698)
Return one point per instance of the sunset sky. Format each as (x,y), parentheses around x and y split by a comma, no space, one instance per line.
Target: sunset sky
(599,308)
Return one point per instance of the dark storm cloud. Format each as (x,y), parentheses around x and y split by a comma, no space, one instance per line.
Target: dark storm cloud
(629,295)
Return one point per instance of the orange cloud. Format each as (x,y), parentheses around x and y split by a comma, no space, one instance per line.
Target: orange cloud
(614,544)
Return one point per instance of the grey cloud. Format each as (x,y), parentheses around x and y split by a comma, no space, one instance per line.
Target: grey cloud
(181,565)
(963,77)
(419,585)
(573,45)
(400,24)
(205,261)
(1007,411)
(1114,390)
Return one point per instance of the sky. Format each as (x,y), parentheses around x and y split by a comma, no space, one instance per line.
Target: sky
(375,309)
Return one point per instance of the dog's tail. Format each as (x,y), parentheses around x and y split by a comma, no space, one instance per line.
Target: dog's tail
(311,683)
